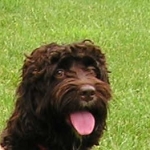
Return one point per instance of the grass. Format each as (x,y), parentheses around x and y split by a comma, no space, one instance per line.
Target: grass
(122,30)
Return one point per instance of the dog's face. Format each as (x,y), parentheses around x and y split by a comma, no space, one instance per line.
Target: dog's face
(79,94)
(69,84)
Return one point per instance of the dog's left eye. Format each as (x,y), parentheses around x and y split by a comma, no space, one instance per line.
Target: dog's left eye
(60,73)
(92,71)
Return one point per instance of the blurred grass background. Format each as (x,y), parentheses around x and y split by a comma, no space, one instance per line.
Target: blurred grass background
(121,28)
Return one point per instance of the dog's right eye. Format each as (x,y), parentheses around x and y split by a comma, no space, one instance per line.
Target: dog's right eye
(60,73)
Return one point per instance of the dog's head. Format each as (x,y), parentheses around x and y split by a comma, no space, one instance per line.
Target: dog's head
(68,83)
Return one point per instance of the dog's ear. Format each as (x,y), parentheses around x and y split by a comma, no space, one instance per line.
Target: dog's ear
(36,75)
(29,94)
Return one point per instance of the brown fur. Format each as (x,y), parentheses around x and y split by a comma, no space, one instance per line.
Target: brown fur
(49,92)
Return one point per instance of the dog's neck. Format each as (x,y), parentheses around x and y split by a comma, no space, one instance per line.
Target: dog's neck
(41,147)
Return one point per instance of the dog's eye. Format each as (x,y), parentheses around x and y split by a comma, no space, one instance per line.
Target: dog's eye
(60,73)
(92,71)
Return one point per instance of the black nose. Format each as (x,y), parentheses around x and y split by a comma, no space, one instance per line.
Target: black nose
(87,92)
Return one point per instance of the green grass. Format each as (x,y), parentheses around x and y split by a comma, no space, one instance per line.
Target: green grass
(121,28)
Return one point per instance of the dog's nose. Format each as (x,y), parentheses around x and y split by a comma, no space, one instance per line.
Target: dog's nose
(87,92)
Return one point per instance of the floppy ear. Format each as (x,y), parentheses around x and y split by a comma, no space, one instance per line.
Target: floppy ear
(29,94)
(36,76)
(23,118)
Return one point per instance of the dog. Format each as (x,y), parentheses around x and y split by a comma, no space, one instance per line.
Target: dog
(62,99)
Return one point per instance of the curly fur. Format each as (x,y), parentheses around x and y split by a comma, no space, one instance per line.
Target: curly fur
(44,101)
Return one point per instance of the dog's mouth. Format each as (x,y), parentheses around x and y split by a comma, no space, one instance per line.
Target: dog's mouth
(83,122)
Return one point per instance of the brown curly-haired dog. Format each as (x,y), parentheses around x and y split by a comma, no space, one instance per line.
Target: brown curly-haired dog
(61,101)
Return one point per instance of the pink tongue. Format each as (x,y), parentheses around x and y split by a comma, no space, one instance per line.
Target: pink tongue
(83,122)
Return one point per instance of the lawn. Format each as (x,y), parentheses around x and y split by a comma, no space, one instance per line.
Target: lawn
(121,28)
